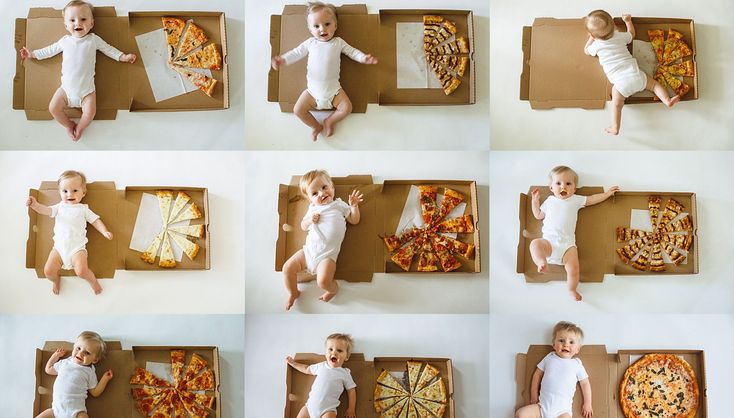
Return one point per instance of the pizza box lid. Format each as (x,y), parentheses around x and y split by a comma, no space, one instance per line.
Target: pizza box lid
(373,34)
(118,86)
(118,210)
(596,235)
(363,251)
(557,73)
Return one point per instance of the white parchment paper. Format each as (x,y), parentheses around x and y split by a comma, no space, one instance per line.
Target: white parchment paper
(412,216)
(646,60)
(413,70)
(148,224)
(162,370)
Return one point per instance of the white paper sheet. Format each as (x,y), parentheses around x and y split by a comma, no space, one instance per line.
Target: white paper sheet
(165,82)
(412,68)
(162,370)
(646,60)
(148,224)
(412,215)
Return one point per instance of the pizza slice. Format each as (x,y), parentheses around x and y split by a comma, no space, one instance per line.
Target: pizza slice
(202,82)
(427,197)
(404,257)
(653,206)
(181,200)
(152,251)
(660,77)
(384,392)
(178,406)
(451,199)
(204,381)
(393,242)
(678,50)
(673,255)
(627,234)
(190,248)
(682,224)
(626,253)
(687,242)
(191,212)
(208,58)
(451,86)
(643,259)
(395,410)
(386,379)
(675,84)
(178,360)
(435,391)
(435,408)
(193,407)
(455,246)
(672,209)
(190,230)
(173,27)
(421,411)
(673,38)
(462,224)
(657,39)
(409,411)
(414,371)
(143,377)
(656,258)
(685,69)
(196,365)
(147,398)
(165,198)
(165,407)
(448,261)
(193,38)
(446,31)
(167,259)
(427,261)
(429,373)
(463,45)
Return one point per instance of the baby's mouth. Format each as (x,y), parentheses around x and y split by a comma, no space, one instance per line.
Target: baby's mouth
(333,359)
(563,193)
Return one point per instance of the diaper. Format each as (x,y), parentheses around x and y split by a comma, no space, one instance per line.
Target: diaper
(74,100)
(67,254)
(559,247)
(69,408)
(316,411)
(555,406)
(323,103)
(631,83)
(315,254)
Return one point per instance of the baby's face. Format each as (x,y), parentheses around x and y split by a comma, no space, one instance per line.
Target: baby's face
(336,352)
(85,352)
(72,190)
(78,20)
(320,191)
(563,185)
(322,25)
(566,344)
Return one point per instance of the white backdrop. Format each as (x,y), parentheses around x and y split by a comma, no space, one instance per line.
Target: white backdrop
(382,127)
(23,334)
(512,334)
(223,129)
(710,291)
(459,293)
(706,123)
(270,338)
(219,290)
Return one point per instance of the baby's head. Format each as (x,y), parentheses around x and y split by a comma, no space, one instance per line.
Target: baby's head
(78,18)
(317,186)
(567,339)
(563,181)
(72,186)
(89,349)
(599,24)
(338,348)
(321,20)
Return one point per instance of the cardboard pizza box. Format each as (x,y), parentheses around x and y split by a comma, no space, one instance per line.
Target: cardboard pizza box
(606,371)
(118,85)
(557,73)
(116,401)
(365,375)
(118,209)
(363,252)
(373,34)
(596,235)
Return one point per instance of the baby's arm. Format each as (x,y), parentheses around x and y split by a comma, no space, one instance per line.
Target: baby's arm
(352,408)
(628,22)
(535,385)
(357,55)
(102,384)
(295,54)
(113,52)
(32,203)
(306,222)
(43,53)
(588,44)
(600,197)
(55,357)
(303,368)
(100,226)
(355,198)
(586,410)
(536,205)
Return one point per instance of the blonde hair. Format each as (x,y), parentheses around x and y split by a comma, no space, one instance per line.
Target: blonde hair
(71,174)
(312,175)
(94,337)
(563,169)
(600,24)
(346,338)
(317,6)
(568,327)
(78,3)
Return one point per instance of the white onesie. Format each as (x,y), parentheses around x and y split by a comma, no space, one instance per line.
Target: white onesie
(559,224)
(327,388)
(324,65)
(619,65)
(324,239)
(70,229)
(70,388)
(77,66)
(559,384)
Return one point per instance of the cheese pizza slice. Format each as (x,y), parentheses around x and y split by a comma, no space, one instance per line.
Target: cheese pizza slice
(429,373)
(190,230)
(673,38)
(653,207)
(678,50)
(627,234)
(656,258)
(173,27)
(643,259)
(387,403)
(191,212)
(680,88)
(167,259)
(191,249)
(672,209)
(152,251)
(682,224)
(165,198)
(435,391)
(382,392)
(193,38)
(685,68)
(181,200)
(386,379)
(395,410)
(414,371)
(208,58)
(202,82)
(673,254)
(436,408)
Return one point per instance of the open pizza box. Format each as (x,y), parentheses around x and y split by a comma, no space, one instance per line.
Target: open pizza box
(120,210)
(382,35)
(365,375)
(116,401)
(363,252)
(596,238)
(557,73)
(118,85)
(606,371)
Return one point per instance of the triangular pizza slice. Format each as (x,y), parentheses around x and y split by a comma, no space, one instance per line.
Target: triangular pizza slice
(386,379)
(657,39)
(208,57)
(191,405)
(204,381)
(404,257)
(429,373)
(191,212)
(165,198)
(190,248)
(178,360)
(435,391)
(143,377)
(167,259)
(190,230)
(414,371)
(181,200)
(685,69)
(173,28)
(196,365)
(193,38)
(152,251)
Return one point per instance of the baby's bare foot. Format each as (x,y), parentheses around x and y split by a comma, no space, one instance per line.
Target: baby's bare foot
(71,130)
(95,286)
(77,133)
(329,127)
(576,295)
(327,296)
(56,286)
(543,268)
(315,133)
(611,130)
(291,300)
(673,100)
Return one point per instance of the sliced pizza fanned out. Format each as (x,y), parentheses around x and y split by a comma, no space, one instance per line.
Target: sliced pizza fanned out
(202,82)
(167,259)
(193,38)
(173,28)
(191,249)
(208,58)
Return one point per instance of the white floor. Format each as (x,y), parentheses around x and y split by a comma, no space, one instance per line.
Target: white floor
(703,124)
(382,127)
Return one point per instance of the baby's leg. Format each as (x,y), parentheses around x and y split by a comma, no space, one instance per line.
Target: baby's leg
(49,413)
(325,279)
(296,263)
(81,268)
(56,107)
(303,108)
(571,263)
(661,92)
(330,414)
(82,415)
(89,109)
(343,108)
(303,413)
(528,411)
(51,270)
(617,104)
(540,250)
(564,416)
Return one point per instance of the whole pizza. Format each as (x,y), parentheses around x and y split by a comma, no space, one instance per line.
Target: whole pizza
(659,385)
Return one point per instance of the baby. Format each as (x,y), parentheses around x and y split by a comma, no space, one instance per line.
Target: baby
(77,68)
(70,230)
(331,380)
(326,226)
(559,213)
(618,64)
(76,376)
(557,375)
(322,75)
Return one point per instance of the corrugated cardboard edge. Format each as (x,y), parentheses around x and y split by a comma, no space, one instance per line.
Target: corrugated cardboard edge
(273,85)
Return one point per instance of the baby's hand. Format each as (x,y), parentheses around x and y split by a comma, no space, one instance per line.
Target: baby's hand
(107,235)
(129,58)
(627,18)
(356,198)
(107,375)
(25,53)
(535,194)
(369,59)
(290,360)
(351,414)
(315,218)
(31,201)
(59,353)
(586,410)
(612,190)
(276,62)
